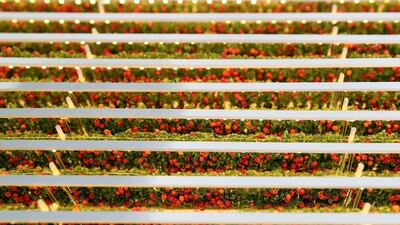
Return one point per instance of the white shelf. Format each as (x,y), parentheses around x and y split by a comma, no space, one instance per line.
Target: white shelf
(197,114)
(199,146)
(198,87)
(201,17)
(199,38)
(201,63)
(196,217)
(283,182)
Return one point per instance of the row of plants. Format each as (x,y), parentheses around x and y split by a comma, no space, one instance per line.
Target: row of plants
(199,75)
(199,6)
(81,207)
(148,162)
(181,126)
(203,27)
(211,100)
(184,198)
(188,50)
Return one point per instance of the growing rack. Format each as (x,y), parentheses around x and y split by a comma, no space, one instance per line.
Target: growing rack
(189,181)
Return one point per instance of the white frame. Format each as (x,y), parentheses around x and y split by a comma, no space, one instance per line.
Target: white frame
(197,114)
(200,63)
(199,38)
(199,87)
(199,146)
(283,182)
(196,217)
(200,17)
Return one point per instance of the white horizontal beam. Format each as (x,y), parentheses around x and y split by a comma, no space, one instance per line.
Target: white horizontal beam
(284,182)
(197,87)
(197,114)
(199,38)
(201,63)
(192,217)
(199,146)
(200,17)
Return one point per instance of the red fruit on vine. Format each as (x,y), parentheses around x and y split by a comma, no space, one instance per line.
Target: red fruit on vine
(201,159)
(84,202)
(107,132)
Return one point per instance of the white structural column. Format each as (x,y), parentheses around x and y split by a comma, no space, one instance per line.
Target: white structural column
(199,38)
(199,146)
(197,114)
(201,17)
(197,87)
(201,182)
(201,63)
(206,217)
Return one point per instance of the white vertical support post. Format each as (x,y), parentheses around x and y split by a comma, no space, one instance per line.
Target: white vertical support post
(100,5)
(54,207)
(94,30)
(345,104)
(359,171)
(335,103)
(89,54)
(56,172)
(61,133)
(81,76)
(366,208)
(71,105)
(45,208)
(346,155)
(63,137)
(341,78)
(334,8)
(42,205)
(351,156)
(343,55)
(335,31)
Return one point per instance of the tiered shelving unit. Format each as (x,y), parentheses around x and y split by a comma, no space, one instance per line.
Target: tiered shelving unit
(331,182)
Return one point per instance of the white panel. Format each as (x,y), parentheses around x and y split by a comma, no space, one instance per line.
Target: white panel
(191,217)
(200,146)
(197,114)
(197,87)
(201,63)
(200,38)
(200,17)
(201,181)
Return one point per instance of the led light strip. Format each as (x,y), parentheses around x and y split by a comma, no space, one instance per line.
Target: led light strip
(197,114)
(200,17)
(198,87)
(199,146)
(200,181)
(199,63)
(191,217)
(198,38)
